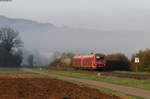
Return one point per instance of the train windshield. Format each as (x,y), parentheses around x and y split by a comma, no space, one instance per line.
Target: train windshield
(100,58)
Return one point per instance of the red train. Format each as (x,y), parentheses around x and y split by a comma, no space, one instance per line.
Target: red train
(92,61)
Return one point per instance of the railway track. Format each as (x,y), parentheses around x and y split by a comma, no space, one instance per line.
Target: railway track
(123,75)
(134,76)
(94,72)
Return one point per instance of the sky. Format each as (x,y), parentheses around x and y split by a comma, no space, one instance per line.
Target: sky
(91,14)
(123,16)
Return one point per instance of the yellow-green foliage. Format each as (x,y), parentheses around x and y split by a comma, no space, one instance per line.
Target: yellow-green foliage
(144,64)
(64,60)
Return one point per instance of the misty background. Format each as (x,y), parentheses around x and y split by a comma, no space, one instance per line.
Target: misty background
(79,26)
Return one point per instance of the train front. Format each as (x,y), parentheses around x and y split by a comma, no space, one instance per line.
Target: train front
(100,60)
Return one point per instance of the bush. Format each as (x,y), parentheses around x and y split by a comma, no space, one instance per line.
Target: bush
(117,61)
(64,60)
(144,57)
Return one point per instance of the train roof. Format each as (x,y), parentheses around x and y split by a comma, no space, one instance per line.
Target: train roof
(77,56)
(99,54)
(84,56)
(90,55)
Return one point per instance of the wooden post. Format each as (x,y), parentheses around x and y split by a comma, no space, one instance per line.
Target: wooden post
(137,60)
(136,67)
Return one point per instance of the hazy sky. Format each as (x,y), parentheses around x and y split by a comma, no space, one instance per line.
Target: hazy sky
(93,14)
(118,17)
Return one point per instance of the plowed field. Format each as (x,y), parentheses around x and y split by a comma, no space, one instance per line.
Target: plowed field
(31,86)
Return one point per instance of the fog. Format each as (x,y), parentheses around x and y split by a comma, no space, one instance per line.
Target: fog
(80,26)
(97,14)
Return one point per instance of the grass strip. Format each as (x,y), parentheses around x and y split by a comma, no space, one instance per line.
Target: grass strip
(129,72)
(16,72)
(105,90)
(143,84)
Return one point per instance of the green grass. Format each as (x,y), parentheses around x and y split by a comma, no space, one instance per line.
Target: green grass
(106,90)
(143,84)
(16,72)
(129,72)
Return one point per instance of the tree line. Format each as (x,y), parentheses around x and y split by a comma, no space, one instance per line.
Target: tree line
(117,61)
(11,56)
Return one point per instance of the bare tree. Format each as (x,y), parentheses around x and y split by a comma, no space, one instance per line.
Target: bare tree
(56,55)
(9,39)
(31,60)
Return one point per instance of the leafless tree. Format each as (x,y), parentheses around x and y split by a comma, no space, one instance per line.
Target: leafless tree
(9,39)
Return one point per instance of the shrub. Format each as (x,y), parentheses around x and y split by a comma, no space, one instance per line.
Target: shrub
(117,61)
(144,57)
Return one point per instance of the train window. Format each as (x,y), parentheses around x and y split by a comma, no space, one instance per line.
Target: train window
(99,59)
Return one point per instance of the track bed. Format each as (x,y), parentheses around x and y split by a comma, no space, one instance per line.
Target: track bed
(107,73)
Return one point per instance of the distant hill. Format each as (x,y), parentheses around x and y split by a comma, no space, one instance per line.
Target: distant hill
(23,24)
(46,37)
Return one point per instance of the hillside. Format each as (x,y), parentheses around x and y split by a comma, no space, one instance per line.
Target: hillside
(46,37)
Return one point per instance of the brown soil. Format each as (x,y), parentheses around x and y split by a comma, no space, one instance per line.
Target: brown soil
(10,69)
(134,76)
(27,86)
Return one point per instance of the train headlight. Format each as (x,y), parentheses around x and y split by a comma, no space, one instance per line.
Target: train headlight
(97,57)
